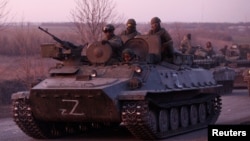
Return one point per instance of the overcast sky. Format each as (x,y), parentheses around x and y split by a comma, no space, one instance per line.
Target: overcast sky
(141,10)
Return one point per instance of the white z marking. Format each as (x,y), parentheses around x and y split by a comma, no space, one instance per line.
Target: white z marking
(72,112)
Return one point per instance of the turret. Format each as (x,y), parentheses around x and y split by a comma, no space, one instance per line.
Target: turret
(64,51)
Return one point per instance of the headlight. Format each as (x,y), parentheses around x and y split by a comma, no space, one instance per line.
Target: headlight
(248,72)
(93,73)
(138,69)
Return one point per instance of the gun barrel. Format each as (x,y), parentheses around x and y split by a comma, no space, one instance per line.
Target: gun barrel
(47,32)
(43,29)
(65,44)
(40,28)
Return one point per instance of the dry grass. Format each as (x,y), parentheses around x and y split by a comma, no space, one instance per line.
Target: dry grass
(17,73)
(16,67)
(8,66)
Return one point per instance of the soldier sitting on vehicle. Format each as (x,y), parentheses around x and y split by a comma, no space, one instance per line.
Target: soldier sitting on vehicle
(224,50)
(166,40)
(113,40)
(130,31)
(185,46)
(128,55)
(209,50)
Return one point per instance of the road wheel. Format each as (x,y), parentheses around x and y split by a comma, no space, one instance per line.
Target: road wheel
(193,114)
(163,121)
(174,118)
(152,120)
(202,113)
(184,117)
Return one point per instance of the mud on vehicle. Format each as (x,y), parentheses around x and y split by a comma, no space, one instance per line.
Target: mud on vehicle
(150,97)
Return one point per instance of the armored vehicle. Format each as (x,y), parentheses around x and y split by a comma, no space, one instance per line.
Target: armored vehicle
(247,79)
(223,74)
(238,58)
(150,97)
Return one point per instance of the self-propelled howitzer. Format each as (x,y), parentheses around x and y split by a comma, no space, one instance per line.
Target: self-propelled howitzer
(151,97)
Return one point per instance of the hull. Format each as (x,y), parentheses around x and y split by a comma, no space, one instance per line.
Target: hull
(58,109)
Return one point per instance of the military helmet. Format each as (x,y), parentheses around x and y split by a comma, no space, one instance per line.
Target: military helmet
(155,20)
(108,28)
(128,51)
(128,54)
(131,22)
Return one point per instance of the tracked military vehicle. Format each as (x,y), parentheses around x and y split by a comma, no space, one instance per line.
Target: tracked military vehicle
(224,74)
(247,79)
(151,97)
(238,58)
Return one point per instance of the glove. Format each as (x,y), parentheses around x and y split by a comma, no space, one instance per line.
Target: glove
(104,42)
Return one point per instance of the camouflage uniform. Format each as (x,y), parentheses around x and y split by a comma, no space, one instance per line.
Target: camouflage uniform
(113,40)
(166,39)
(130,35)
(209,49)
(164,35)
(185,46)
(224,50)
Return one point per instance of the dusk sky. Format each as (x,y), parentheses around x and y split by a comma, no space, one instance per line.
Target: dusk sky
(141,10)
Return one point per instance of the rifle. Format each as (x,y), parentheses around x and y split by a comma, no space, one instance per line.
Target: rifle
(65,44)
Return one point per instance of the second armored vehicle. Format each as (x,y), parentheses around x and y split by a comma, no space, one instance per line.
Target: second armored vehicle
(238,58)
(223,74)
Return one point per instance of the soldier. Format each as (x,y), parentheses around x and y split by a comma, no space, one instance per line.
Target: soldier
(209,49)
(166,39)
(113,40)
(130,31)
(224,50)
(128,55)
(185,46)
